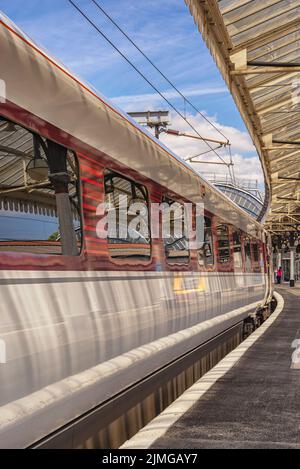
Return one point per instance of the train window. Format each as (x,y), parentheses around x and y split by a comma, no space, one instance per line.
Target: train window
(247,249)
(175,232)
(256,257)
(206,252)
(128,218)
(223,244)
(237,250)
(39,194)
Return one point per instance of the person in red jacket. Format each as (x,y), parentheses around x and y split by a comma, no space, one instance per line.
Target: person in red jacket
(279,274)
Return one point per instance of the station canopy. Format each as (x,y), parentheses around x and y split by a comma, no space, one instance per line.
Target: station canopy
(256,45)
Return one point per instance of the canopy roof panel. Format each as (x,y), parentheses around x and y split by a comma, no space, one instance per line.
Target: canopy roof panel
(256,46)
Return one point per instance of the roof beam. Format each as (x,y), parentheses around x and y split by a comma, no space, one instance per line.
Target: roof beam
(261,67)
(14,152)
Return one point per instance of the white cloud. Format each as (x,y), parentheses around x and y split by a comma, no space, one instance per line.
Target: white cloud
(246,162)
(244,155)
(240,141)
(130,102)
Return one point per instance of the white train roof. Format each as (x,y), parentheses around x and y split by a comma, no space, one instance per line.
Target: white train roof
(44,87)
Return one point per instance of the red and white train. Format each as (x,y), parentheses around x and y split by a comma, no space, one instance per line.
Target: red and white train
(82,318)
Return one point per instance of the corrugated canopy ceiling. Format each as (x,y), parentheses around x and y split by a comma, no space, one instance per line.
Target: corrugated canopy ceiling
(256,45)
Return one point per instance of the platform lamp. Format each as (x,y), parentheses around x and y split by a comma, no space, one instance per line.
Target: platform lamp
(37,168)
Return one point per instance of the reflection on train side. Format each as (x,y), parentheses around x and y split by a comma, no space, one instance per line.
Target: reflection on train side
(185,285)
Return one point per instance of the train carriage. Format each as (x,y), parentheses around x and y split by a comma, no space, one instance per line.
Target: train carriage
(83,317)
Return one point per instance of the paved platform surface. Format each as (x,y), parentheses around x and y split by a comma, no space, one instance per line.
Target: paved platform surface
(256,404)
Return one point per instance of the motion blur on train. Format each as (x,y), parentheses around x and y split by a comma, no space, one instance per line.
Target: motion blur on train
(83,317)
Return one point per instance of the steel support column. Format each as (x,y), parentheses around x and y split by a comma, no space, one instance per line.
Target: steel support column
(292,267)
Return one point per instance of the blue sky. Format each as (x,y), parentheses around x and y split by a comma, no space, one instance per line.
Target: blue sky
(165,30)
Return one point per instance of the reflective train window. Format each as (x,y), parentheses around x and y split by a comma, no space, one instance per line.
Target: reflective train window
(206,252)
(175,232)
(237,250)
(128,231)
(247,249)
(223,244)
(39,194)
(256,257)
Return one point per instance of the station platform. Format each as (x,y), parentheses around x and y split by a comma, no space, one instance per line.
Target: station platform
(251,399)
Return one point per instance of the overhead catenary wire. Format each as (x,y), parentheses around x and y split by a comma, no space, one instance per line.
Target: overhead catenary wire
(185,99)
(144,77)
